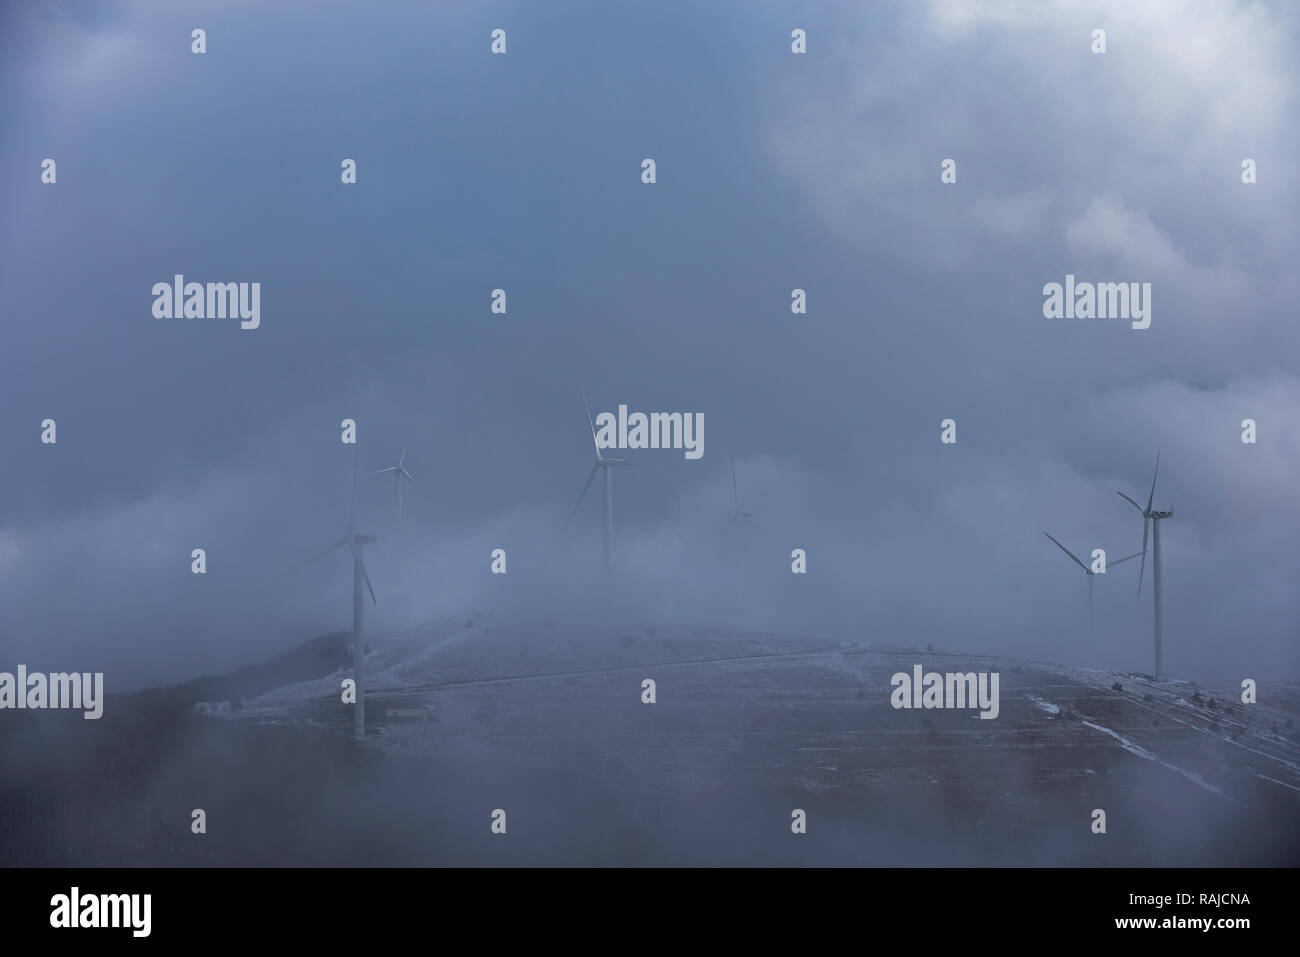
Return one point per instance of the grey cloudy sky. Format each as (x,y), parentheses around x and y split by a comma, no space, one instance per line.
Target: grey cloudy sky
(775,171)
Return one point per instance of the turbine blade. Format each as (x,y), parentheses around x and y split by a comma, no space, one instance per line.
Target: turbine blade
(391,468)
(591,477)
(373,599)
(356,464)
(1070,553)
(1152,497)
(402,460)
(1146,522)
(411,478)
(1131,502)
(592,424)
(321,554)
(1120,561)
(735,495)
(361,563)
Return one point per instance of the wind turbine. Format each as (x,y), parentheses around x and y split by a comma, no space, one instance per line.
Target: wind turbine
(1151,520)
(606,465)
(399,472)
(736,513)
(1087,570)
(353,542)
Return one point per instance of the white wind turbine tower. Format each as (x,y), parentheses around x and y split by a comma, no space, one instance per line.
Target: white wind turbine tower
(399,473)
(1087,570)
(736,513)
(606,465)
(1151,520)
(353,542)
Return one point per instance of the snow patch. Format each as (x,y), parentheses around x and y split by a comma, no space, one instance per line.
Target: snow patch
(1045,705)
(1142,752)
(1276,781)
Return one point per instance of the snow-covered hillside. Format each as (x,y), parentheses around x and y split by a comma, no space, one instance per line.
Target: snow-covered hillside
(809,713)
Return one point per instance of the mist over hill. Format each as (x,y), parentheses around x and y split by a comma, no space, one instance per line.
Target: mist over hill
(547,722)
